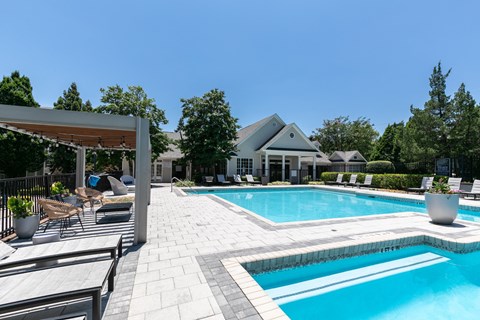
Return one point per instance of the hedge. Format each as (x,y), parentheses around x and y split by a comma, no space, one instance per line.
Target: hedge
(385,181)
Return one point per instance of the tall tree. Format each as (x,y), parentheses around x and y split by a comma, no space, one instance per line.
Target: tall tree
(465,132)
(71,101)
(20,153)
(341,134)
(62,158)
(432,124)
(389,145)
(208,129)
(135,102)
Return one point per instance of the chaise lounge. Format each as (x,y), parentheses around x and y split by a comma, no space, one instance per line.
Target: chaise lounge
(367,182)
(336,182)
(250,179)
(474,192)
(424,186)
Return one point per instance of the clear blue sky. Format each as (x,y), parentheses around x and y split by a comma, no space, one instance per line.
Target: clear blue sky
(307,60)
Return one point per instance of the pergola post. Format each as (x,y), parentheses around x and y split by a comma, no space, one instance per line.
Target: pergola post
(142,179)
(80,168)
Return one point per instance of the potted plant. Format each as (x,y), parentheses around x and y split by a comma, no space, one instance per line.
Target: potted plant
(442,203)
(25,221)
(58,189)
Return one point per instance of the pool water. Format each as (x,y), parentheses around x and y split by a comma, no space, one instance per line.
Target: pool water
(413,283)
(304,204)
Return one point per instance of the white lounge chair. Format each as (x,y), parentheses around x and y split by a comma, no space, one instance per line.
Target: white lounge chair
(221,179)
(352,181)
(118,187)
(238,179)
(426,184)
(336,182)
(250,179)
(367,182)
(474,192)
(454,183)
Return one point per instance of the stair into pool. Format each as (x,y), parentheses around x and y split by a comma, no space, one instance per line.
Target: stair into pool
(317,286)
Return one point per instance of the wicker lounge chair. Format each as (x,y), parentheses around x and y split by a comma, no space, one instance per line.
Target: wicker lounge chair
(425,185)
(474,192)
(221,179)
(250,179)
(91,196)
(11,257)
(336,182)
(60,211)
(118,187)
(367,182)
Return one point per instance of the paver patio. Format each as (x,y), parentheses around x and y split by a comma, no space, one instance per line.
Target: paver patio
(178,273)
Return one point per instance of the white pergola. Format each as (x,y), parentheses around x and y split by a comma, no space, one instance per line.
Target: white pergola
(84,130)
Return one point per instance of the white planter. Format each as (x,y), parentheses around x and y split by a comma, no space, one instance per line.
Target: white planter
(25,228)
(442,208)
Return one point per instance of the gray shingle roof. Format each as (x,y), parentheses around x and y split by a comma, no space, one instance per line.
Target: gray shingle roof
(246,132)
(175,152)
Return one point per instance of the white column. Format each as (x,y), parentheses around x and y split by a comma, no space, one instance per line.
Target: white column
(314,168)
(267,168)
(80,168)
(142,182)
(283,167)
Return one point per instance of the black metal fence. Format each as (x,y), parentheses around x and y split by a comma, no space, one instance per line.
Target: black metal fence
(30,187)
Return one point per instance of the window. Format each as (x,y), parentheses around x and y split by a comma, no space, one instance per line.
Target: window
(292,135)
(244,166)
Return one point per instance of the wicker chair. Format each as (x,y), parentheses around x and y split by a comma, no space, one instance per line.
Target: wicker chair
(89,195)
(60,211)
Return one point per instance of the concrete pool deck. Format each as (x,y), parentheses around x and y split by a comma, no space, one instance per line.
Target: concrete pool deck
(180,274)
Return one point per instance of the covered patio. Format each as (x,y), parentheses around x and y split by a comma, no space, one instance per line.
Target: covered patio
(82,131)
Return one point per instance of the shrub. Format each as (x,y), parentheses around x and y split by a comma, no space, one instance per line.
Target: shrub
(58,188)
(380,167)
(279,183)
(20,207)
(184,184)
(316,182)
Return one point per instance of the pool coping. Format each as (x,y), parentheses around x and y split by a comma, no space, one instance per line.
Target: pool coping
(270,225)
(239,267)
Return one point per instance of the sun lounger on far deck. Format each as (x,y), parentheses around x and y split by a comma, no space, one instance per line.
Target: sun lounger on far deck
(474,192)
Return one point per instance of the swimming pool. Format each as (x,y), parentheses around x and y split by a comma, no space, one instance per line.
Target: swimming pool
(418,282)
(305,204)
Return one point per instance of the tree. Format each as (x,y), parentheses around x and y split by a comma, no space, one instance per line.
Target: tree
(62,158)
(20,153)
(341,134)
(135,102)
(389,146)
(431,126)
(71,101)
(208,129)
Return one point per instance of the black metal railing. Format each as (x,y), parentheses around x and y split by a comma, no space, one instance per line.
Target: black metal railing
(31,187)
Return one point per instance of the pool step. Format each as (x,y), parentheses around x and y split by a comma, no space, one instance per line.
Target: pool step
(310,288)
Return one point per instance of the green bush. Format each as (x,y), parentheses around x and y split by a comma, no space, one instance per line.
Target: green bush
(380,167)
(184,184)
(279,183)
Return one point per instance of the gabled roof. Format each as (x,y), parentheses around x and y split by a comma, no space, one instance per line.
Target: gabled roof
(347,156)
(285,129)
(174,152)
(244,133)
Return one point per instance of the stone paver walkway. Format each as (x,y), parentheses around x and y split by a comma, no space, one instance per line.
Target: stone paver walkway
(179,275)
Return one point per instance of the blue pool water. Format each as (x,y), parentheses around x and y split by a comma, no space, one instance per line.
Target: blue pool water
(303,204)
(412,283)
